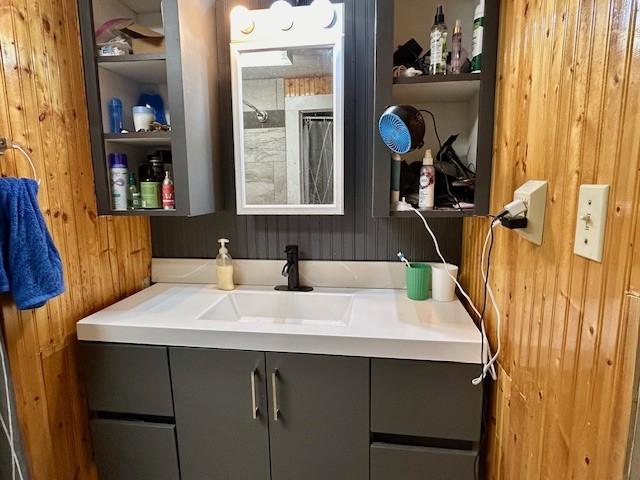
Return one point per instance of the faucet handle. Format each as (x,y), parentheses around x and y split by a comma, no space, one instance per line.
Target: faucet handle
(291,249)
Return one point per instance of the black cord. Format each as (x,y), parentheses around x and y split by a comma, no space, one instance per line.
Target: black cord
(476,469)
(446,178)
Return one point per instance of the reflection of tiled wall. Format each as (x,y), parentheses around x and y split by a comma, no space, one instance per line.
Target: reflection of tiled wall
(265,94)
(265,148)
(265,166)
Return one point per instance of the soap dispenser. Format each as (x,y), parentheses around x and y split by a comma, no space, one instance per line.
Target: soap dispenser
(224,267)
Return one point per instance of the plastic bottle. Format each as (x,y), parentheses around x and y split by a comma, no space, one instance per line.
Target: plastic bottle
(168,194)
(478,33)
(438,63)
(427,188)
(115,115)
(118,170)
(134,200)
(224,267)
(456,49)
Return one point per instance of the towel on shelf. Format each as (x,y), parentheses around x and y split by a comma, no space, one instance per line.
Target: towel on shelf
(30,266)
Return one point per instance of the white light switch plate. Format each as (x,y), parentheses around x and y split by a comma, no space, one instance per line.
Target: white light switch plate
(591,221)
(534,194)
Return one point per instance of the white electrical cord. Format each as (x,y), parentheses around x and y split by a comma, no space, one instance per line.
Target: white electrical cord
(490,365)
(9,433)
(488,360)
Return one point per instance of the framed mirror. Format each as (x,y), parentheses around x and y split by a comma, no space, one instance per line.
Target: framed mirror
(288,113)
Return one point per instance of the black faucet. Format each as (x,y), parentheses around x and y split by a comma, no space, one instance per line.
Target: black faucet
(290,270)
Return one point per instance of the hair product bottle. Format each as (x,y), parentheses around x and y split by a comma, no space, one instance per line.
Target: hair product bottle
(438,65)
(427,188)
(478,32)
(456,48)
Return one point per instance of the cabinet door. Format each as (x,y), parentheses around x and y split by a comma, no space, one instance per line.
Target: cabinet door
(220,434)
(318,417)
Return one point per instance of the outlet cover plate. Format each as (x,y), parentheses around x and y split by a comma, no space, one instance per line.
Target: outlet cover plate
(591,221)
(534,194)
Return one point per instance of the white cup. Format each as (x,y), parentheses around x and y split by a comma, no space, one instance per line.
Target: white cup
(143,117)
(443,288)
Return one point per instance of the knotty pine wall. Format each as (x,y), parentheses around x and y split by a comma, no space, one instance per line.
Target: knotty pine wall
(42,106)
(568,111)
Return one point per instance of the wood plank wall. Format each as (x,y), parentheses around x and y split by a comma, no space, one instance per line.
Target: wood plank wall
(568,112)
(42,106)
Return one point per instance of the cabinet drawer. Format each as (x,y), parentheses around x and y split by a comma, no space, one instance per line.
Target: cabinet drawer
(425,399)
(127,378)
(127,450)
(399,462)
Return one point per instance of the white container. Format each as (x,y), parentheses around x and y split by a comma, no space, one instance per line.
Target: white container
(143,117)
(443,288)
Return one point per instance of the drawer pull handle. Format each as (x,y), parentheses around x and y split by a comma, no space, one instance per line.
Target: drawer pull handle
(255,411)
(274,388)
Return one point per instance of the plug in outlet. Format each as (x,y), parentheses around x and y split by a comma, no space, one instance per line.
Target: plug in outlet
(591,222)
(534,195)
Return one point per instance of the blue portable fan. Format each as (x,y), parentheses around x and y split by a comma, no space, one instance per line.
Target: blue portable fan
(402,130)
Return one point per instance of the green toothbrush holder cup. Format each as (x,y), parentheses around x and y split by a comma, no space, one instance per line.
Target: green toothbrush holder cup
(418,281)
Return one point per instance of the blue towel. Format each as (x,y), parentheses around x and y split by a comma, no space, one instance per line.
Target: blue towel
(30,266)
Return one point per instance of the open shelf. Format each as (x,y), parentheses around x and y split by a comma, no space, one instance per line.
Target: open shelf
(140,138)
(436,212)
(421,79)
(414,92)
(141,68)
(152,212)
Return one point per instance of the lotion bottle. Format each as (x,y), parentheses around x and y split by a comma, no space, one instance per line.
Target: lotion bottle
(224,267)
(427,189)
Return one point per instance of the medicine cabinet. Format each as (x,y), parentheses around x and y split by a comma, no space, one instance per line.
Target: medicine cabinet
(287,74)
(462,103)
(164,49)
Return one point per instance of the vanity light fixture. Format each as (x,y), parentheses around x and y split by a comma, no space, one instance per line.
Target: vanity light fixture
(324,12)
(242,19)
(282,14)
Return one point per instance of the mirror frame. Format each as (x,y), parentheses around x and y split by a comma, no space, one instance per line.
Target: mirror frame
(331,37)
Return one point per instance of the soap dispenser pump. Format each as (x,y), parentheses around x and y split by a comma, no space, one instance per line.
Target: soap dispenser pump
(224,267)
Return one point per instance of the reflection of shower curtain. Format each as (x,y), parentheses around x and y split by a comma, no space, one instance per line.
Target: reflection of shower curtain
(317,169)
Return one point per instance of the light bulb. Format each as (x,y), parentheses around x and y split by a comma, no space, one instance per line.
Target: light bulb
(282,14)
(323,12)
(242,19)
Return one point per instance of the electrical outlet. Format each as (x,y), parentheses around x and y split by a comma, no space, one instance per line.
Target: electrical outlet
(534,195)
(591,221)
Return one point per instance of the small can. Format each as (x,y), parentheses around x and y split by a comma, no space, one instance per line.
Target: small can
(168,193)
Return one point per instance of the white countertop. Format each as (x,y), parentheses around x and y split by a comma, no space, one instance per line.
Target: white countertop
(383,323)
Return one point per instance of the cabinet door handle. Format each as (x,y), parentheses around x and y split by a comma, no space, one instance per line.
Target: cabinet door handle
(255,411)
(274,388)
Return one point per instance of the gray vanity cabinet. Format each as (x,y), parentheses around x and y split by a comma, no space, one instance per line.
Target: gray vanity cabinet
(318,417)
(221,413)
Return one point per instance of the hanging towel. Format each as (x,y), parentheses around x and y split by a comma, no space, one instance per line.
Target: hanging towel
(30,266)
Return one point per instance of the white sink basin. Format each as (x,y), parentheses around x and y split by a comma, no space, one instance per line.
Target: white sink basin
(282,307)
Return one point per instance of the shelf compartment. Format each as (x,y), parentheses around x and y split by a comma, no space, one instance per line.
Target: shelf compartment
(140,138)
(461,77)
(147,212)
(142,68)
(436,213)
(416,93)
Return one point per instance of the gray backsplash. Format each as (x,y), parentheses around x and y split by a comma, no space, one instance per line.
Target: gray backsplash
(354,236)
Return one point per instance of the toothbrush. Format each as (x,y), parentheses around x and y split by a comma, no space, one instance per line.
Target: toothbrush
(404,259)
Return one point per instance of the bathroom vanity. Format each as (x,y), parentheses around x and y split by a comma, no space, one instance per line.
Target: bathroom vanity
(188,382)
